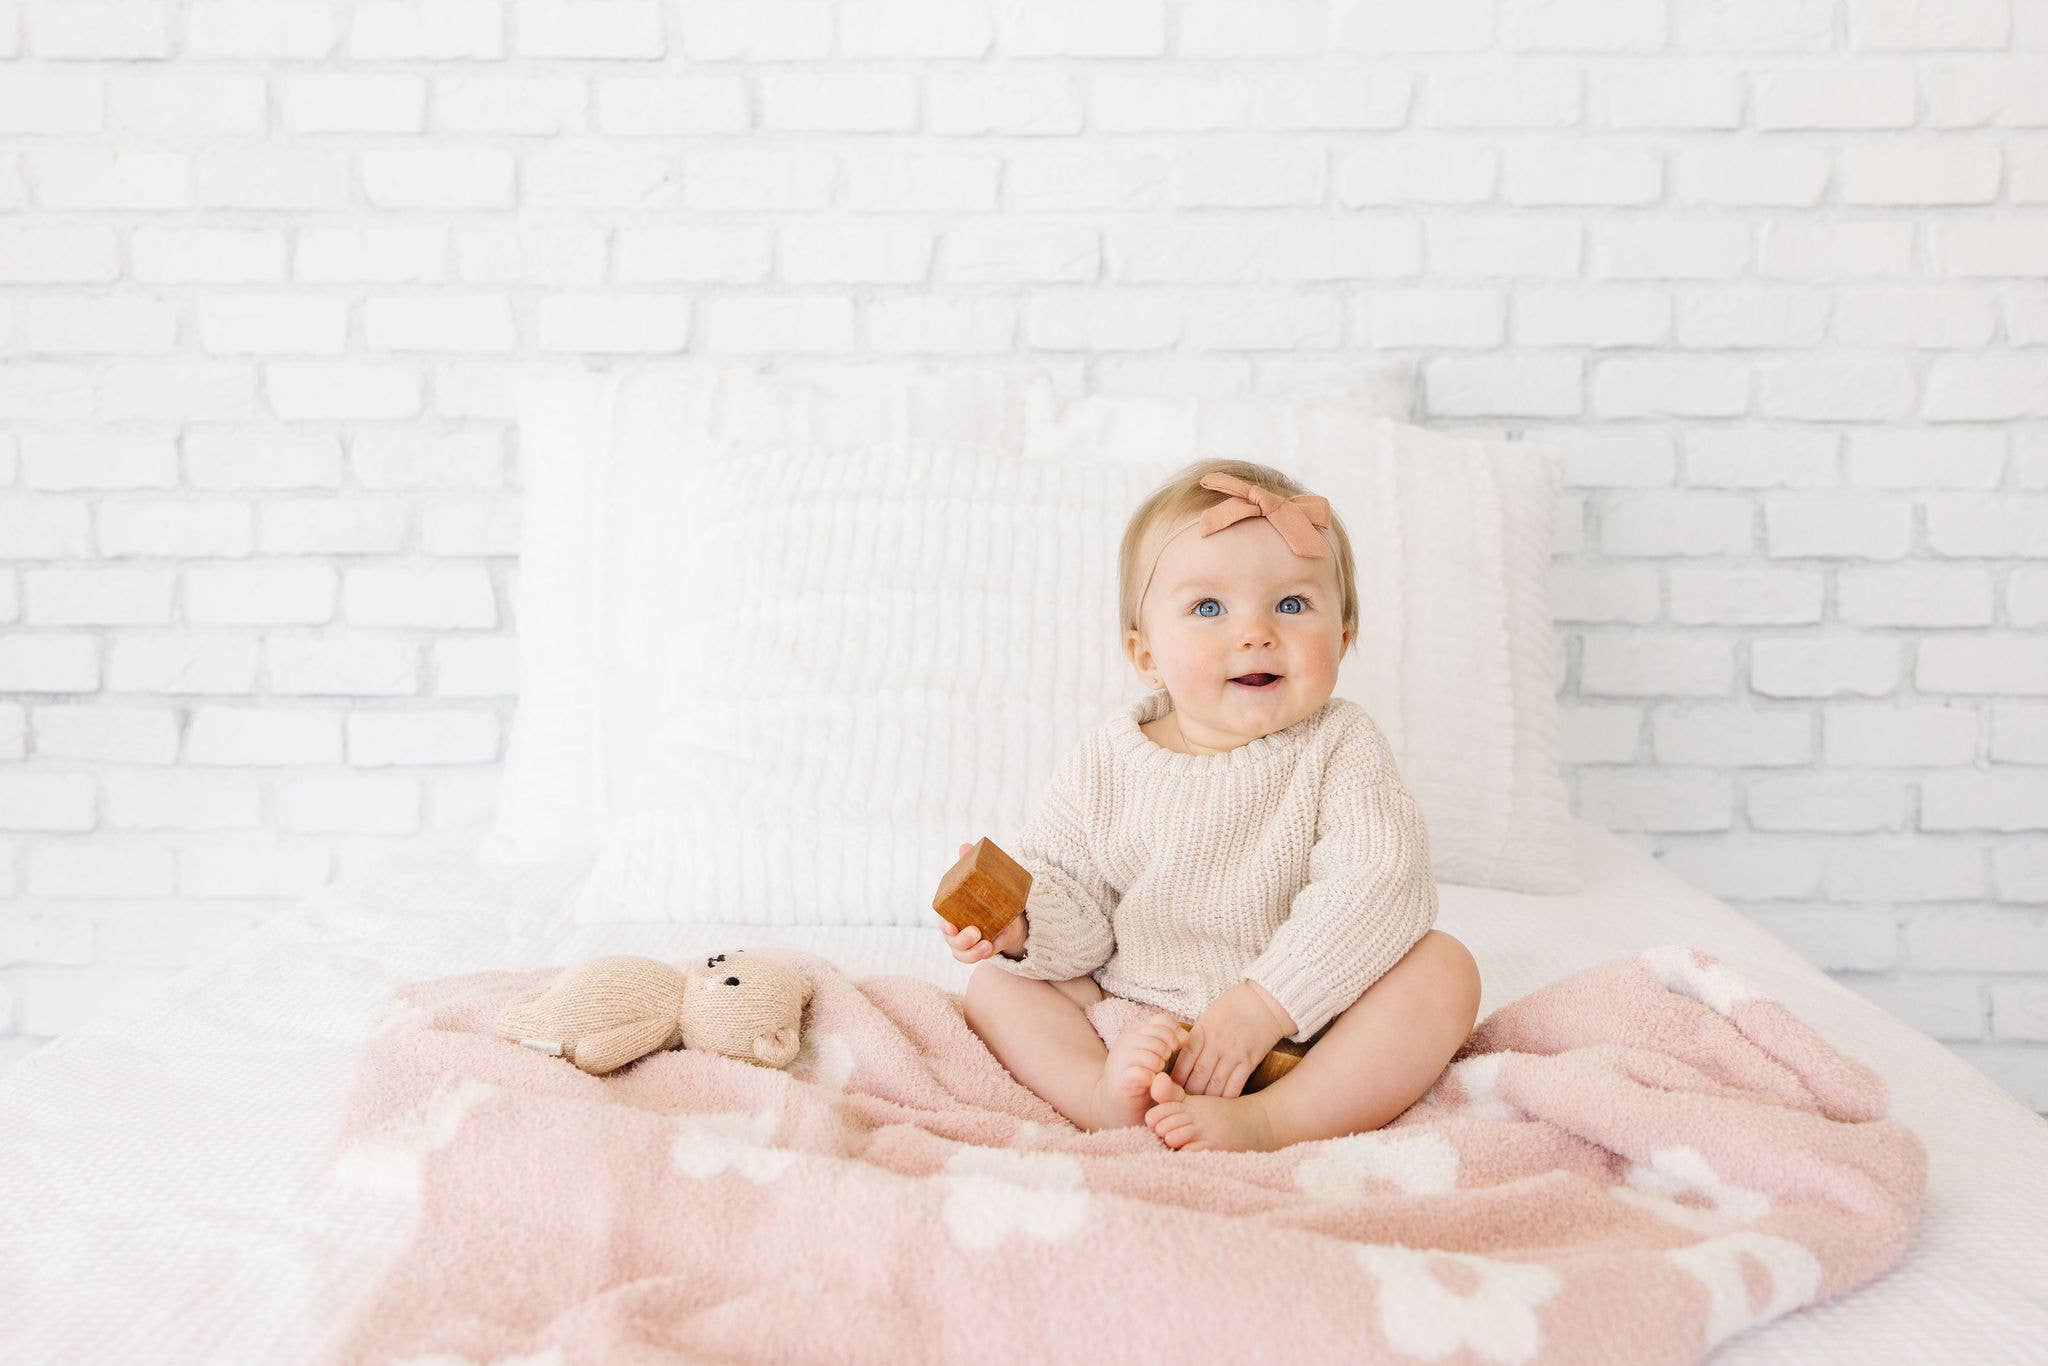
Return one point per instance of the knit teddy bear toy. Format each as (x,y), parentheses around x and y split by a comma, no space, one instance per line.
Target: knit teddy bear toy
(605,1013)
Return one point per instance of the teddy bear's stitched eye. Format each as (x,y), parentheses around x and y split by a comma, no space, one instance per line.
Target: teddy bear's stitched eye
(732,981)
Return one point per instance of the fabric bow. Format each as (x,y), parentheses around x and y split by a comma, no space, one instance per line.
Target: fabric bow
(1296,518)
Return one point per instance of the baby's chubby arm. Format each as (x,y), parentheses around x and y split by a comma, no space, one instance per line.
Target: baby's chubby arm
(967,944)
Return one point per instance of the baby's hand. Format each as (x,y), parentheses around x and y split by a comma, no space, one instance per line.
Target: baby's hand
(1228,1043)
(966,942)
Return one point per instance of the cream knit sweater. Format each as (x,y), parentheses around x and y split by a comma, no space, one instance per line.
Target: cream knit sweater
(1297,860)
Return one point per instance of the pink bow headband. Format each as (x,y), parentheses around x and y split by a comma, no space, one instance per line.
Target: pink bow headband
(1296,518)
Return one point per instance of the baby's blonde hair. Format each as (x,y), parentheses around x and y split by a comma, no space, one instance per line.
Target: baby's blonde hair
(1182,497)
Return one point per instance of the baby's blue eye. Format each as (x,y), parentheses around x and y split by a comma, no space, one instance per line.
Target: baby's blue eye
(1291,597)
(1295,597)
(1204,603)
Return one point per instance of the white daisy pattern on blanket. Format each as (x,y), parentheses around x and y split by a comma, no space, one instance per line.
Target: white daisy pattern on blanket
(1648,1154)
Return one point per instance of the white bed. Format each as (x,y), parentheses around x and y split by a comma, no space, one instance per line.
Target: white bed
(167,1198)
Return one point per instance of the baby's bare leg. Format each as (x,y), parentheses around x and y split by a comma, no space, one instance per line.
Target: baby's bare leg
(1040,1032)
(1374,1061)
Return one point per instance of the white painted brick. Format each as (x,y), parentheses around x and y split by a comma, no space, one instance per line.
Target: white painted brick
(45,393)
(1761,316)
(97,597)
(1975,91)
(352,102)
(1959,940)
(1671,386)
(1746,457)
(1982,664)
(37,528)
(1577,172)
(997,253)
(2026,596)
(1835,250)
(182,661)
(268,324)
(10,596)
(1179,374)
(1655,799)
(48,663)
(1651,663)
(397,30)
(472,526)
(1020,102)
(262,459)
(254,28)
(1663,94)
(838,101)
(107,734)
(1749,172)
(237,869)
(13,732)
(480,667)
(1717,596)
(1932,171)
(1707,735)
(179,390)
(438,178)
(778,324)
(1254,173)
(1945,1007)
(1838,526)
(1101,320)
(1988,387)
(462,799)
(2019,1010)
(1849,939)
(587,28)
(351,803)
(591,173)
(1599,735)
(1752,25)
(101,868)
(1493,246)
(445,596)
(2030,459)
(736,255)
(94,326)
(1745,869)
(1905,869)
(46,935)
(960,325)
(1614,457)
(53,102)
(249,737)
(1915,595)
(2022,871)
(1591,316)
(182,800)
(1972,799)
(755,30)
(1978,524)
(1916,735)
(1070,28)
(341,663)
(181,255)
(98,460)
(1518,386)
(1915,317)
(913,28)
(1494,92)
(2019,733)
(282,594)
(102,29)
(314,390)
(165,527)
(1936,458)
(1122,102)
(47,801)
(1669,248)
(1840,386)
(845,251)
(1069,179)
(543,105)
(1430,317)
(1850,97)
(386,253)
(1347,98)
(333,526)
(1841,803)
(599,323)
(34,254)
(217,104)
(261,176)
(1455,26)
(1678,523)
(1249,321)
(1864,666)
(1895,24)
(405,459)
(1583,25)
(895,181)
(480,322)
(379,739)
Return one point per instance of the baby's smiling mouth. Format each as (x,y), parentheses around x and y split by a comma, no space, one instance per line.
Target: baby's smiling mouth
(1257,682)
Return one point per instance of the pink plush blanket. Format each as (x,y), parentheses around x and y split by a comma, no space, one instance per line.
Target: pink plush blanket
(1632,1163)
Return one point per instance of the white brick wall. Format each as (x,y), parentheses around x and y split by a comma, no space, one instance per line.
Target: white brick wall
(1774,271)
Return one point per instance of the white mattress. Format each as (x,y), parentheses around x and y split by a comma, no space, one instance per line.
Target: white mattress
(161,1172)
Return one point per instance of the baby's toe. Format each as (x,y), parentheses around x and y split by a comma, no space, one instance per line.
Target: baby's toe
(1165,1088)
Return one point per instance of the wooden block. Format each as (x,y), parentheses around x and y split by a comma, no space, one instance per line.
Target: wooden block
(1274,1066)
(986,888)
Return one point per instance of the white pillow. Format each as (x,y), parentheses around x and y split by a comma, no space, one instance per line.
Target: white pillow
(884,650)
(606,458)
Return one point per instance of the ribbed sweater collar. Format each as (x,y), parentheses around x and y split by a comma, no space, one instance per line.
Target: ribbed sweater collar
(1133,747)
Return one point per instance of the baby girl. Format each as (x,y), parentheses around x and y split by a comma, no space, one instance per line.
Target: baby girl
(1236,849)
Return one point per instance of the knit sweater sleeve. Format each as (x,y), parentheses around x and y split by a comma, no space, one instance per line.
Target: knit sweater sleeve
(1069,905)
(1370,895)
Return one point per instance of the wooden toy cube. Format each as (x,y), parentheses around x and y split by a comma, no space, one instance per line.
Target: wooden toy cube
(986,888)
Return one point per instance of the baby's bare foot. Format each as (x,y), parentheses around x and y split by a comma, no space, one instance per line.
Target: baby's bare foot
(1139,1055)
(1193,1123)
